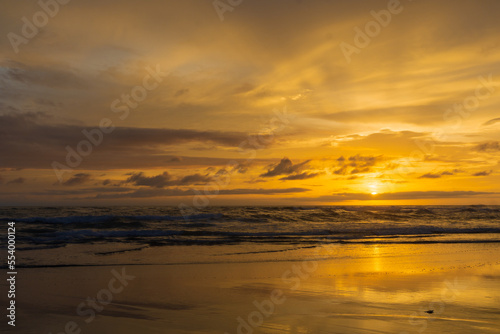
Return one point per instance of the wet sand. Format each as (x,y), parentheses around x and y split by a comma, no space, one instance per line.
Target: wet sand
(338,289)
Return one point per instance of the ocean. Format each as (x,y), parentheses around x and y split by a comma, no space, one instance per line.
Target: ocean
(261,270)
(114,230)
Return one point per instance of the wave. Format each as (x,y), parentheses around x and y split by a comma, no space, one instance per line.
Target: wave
(215,237)
(111,218)
(157,226)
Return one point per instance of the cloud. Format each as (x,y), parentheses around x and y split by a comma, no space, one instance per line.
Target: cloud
(77,179)
(430,176)
(285,167)
(166,180)
(84,191)
(301,176)
(193,179)
(488,146)
(146,193)
(492,121)
(356,164)
(32,142)
(390,142)
(409,195)
(55,77)
(181,92)
(436,175)
(19,180)
(419,114)
(19,125)
(483,173)
(241,168)
(158,181)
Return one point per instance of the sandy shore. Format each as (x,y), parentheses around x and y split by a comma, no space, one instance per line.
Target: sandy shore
(340,289)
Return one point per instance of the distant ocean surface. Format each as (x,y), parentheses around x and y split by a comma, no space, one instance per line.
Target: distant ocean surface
(50,227)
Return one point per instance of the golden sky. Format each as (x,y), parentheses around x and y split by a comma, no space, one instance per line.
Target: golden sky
(258,102)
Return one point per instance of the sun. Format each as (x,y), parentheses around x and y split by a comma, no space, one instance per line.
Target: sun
(374,187)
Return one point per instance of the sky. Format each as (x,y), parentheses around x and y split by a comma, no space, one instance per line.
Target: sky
(252,102)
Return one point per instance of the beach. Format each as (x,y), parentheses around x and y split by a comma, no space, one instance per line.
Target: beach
(323,289)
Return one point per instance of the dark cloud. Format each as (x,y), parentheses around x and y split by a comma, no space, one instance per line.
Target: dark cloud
(19,180)
(166,180)
(176,159)
(360,170)
(181,92)
(483,173)
(488,146)
(285,167)
(492,121)
(436,175)
(158,181)
(240,169)
(301,176)
(262,191)
(55,77)
(389,180)
(341,171)
(77,179)
(30,142)
(430,176)
(15,125)
(356,164)
(193,179)
(146,193)
(391,166)
(80,191)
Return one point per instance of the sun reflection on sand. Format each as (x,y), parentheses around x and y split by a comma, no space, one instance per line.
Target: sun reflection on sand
(376,259)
